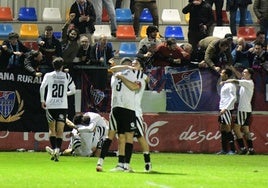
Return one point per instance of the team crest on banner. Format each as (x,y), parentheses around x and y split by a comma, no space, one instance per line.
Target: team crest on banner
(188,86)
(7,104)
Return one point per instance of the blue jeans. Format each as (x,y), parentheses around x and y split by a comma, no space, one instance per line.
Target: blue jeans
(242,22)
(109,5)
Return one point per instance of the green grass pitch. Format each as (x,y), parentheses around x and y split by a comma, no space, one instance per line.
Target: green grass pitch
(170,170)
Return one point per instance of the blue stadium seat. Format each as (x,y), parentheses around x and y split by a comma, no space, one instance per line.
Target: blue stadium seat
(123,15)
(57,35)
(249,19)
(5,29)
(174,32)
(127,49)
(27,14)
(146,16)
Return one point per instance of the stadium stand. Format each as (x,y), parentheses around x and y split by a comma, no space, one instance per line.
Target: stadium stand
(171,16)
(128,49)
(174,32)
(123,15)
(146,16)
(249,33)
(102,30)
(125,32)
(5,29)
(6,14)
(249,19)
(27,14)
(29,31)
(105,16)
(51,14)
(220,31)
(225,19)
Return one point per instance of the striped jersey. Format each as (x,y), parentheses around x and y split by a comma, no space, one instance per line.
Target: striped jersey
(59,85)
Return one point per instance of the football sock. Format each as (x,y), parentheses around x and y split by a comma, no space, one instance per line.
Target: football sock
(146,157)
(121,159)
(224,141)
(250,143)
(128,152)
(58,142)
(240,142)
(230,137)
(105,148)
(52,140)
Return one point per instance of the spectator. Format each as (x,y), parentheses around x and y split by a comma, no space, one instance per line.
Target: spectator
(84,50)
(4,54)
(218,54)
(260,38)
(109,6)
(147,46)
(260,8)
(50,47)
(232,6)
(138,8)
(15,52)
(101,52)
(85,17)
(100,55)
(70,46)
(201,20)
(218,6)
(32,63)
(169,54)
(260,58)
(241,54)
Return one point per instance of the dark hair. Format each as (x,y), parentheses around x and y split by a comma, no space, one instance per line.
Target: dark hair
(86,120)
(251,72)
(77,119)
(34,53)
(124,60)
(57,63)
(260,33)
(150,29)
(48,28)
(228,72)
(171,41)
(13,35)
(259,44)
(73,29)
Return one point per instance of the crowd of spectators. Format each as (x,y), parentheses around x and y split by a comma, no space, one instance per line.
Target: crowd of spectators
(78,47)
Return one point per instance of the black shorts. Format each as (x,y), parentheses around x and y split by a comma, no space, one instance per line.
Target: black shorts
(58,115)
(122,120)
(140,127)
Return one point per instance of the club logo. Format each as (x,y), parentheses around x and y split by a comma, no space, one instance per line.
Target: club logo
(188,86)
(9,100)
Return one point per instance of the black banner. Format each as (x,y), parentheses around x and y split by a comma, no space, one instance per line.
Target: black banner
(20,107)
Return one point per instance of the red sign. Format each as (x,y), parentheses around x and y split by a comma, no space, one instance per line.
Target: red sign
(197,133)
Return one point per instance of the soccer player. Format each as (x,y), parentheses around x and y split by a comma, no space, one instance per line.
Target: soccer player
(227,101)
(143,79)
(90,129)
(122,117)
(244,110)
(59,85)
